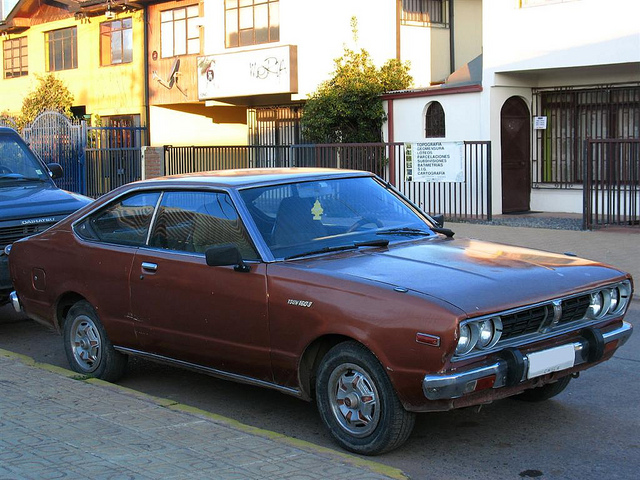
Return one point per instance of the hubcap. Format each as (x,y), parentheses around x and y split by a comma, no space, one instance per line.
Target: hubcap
(354,401)
(85,343)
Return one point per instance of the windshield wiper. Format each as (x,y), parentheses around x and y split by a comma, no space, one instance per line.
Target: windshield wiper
(21,178)
(339,248)
(416,231)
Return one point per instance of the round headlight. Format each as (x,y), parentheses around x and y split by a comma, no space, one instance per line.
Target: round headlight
(614,299)
(596,309)
(485,333)
(468,338)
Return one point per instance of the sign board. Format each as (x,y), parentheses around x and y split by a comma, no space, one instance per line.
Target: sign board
(539,123)
(252,72)
(434,162)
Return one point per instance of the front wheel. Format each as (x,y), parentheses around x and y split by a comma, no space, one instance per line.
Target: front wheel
(89,350)
(357,402)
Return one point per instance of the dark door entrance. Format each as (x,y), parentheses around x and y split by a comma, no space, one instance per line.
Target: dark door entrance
(515,136)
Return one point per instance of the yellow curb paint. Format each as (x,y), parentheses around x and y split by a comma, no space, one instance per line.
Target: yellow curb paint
(172,405)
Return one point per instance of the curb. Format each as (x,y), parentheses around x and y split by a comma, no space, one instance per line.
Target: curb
(373,466)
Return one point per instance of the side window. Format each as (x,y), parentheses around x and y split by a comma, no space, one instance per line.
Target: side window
(125,222)
(195,221)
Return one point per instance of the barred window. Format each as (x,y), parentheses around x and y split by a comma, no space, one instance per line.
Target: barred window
(62,49)
(251,22)
(180,32)
(425,12)
(434,121)
(15,57)
(116,42)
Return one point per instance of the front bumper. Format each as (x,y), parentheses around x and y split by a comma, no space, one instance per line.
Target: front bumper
(513,367)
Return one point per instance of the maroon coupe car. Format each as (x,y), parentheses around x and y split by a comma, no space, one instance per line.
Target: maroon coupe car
(323,284)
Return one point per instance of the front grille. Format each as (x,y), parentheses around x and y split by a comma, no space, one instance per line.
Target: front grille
(524,321)
(9,235)
(531,320)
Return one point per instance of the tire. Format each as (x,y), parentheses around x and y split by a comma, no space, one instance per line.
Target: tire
(88,348)
(545,392)
(350,381)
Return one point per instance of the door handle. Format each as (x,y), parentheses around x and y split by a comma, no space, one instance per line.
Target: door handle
(152,267)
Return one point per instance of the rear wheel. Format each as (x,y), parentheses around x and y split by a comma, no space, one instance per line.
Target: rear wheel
(89,350)
(357,402)
(545,392)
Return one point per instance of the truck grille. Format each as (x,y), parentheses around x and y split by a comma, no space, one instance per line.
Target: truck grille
(532,320)
(9,235)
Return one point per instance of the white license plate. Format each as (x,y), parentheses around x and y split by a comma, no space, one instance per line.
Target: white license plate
(551,360)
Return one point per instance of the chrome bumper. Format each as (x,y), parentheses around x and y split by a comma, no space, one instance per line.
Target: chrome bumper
(15,301)
(512,368)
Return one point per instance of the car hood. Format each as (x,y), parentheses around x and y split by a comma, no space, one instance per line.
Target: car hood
(475,276)
(37,200)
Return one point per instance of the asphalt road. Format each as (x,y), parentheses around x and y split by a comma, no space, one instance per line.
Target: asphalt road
(590,431)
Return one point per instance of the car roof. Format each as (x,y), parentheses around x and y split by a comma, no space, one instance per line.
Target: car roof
(251,177)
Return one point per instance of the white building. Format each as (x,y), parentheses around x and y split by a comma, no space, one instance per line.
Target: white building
(572,64)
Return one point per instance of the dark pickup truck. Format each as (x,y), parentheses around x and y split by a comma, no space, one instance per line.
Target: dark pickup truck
(30,202)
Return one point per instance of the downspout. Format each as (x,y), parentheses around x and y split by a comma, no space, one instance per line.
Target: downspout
(145,49)
(391,139)
(452,49)
(398,11)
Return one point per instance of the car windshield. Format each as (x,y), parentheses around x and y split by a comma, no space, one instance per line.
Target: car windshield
(317,216)
(17,162)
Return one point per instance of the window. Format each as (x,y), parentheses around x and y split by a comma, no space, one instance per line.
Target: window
(251,22)
(425,12)
(195,221)
(62,48)
(116,42)
(179,31)
(574,115)
(15,57)
(123,223)
(434,121)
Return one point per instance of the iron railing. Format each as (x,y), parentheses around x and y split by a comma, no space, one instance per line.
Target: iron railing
(470,199)
(611,191)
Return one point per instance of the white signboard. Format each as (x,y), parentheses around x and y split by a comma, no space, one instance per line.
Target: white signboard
(434,162)
(253,72)
(539,123)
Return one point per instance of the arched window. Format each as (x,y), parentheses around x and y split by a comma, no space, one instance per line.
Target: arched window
(434,121)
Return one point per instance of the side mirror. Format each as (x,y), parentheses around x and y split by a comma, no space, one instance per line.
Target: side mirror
(224,255)
(439,219)
(55,169)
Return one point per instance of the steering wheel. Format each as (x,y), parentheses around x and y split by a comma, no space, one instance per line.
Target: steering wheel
(362,222)
(5,170)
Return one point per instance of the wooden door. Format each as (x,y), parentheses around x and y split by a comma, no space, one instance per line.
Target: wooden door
(515,134)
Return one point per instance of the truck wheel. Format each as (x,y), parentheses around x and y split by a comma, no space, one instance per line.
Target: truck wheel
(545,392)
(357,402)
(89,350)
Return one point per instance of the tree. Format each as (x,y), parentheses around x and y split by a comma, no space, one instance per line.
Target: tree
(347,108)
(50,94)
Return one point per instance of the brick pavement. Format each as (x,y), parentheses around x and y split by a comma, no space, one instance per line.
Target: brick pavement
(55,424)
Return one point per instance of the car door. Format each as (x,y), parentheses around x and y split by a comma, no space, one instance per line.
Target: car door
(187,310)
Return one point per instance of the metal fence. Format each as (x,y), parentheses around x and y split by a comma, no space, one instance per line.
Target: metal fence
(611,190)
(113,157)
(470,199)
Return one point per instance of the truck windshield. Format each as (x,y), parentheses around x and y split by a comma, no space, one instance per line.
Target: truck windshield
(17,162)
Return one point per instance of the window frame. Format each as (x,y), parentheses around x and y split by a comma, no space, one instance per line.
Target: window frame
(433,125)
(425,13)
(53,42)
(237,6)
(190,22)
(106,39)
(23,58)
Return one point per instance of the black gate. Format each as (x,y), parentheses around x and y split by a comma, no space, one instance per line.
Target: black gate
(612,183)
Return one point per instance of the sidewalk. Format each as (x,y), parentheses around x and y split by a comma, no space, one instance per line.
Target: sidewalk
(57,424)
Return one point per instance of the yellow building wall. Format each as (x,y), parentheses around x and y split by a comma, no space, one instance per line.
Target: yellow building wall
(104,90)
